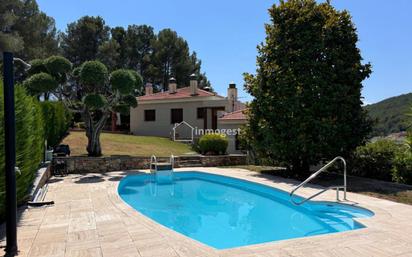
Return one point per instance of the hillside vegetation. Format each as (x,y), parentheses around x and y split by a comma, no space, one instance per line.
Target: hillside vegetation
(390,114)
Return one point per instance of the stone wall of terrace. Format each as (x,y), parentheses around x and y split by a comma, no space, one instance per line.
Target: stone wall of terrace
(80,164)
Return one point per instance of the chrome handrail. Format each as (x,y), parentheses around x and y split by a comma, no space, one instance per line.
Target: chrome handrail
(153,161)
(172,161)
(326,189)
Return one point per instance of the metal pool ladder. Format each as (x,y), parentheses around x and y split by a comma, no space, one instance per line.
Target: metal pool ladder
(338,188)
(162,171)
(156,166)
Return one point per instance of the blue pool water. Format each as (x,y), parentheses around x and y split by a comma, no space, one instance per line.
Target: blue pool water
(225,212)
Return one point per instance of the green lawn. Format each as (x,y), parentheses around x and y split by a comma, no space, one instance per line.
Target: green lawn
(118,144)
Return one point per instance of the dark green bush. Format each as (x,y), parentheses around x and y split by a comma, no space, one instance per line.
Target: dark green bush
(56,121)
(402,168)
(213,144)
(29,142)
(375,160)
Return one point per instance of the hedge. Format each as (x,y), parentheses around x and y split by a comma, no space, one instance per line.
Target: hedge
(34,123)
(29,142)
(56,121)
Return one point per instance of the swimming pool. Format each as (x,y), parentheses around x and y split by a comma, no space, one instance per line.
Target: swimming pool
(225,212)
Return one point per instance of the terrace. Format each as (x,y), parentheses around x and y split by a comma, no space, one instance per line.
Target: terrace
(90,219)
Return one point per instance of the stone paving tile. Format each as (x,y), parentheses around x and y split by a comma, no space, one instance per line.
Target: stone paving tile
(51,235)
(88,252)
(89,219)
(52,249)
(120,250)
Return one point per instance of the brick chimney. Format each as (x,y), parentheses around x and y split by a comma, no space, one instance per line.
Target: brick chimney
(172,86)
(193,84)
(232,96)
(148,89)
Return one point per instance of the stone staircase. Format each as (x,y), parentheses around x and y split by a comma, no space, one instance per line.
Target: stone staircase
(189,161)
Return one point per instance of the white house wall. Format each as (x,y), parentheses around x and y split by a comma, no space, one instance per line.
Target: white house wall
(233,125)
(162,125)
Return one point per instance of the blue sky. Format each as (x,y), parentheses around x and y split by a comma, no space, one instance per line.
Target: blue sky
(225,34)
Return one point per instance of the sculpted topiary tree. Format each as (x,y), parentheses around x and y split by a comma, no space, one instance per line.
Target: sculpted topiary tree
(46,77)
(307,91)
(89,90)
(97,94)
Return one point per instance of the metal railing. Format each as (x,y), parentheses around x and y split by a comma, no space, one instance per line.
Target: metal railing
(172,161)
(326,189)
(153,164)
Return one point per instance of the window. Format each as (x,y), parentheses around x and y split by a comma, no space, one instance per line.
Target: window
(176,115)
(201,113)
(149,115)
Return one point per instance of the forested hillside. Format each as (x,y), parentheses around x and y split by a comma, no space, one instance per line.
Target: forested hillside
(390,114)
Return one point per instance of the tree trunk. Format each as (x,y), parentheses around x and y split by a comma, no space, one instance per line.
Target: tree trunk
(93,131)
(93,146)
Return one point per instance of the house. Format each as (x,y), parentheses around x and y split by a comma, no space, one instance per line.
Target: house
(230,122)
(158,113)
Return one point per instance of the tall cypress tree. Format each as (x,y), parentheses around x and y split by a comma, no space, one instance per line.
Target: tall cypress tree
(307,91)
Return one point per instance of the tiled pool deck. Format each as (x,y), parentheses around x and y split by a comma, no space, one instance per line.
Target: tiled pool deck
(89,219)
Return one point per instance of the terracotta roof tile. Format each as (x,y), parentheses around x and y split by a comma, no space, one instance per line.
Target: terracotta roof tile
(236,115)
(180,93)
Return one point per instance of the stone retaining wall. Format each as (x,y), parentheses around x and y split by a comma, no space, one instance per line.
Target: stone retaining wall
(78,165)
(42,175)
(224,160)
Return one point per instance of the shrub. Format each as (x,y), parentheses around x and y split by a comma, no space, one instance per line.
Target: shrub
(213,144)
(409,139)
(402,168)
(29,142)
(375,160)
(56,121)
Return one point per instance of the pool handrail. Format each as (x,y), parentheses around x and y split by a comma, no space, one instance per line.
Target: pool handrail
(172,160)
(326,189)
(153,161)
